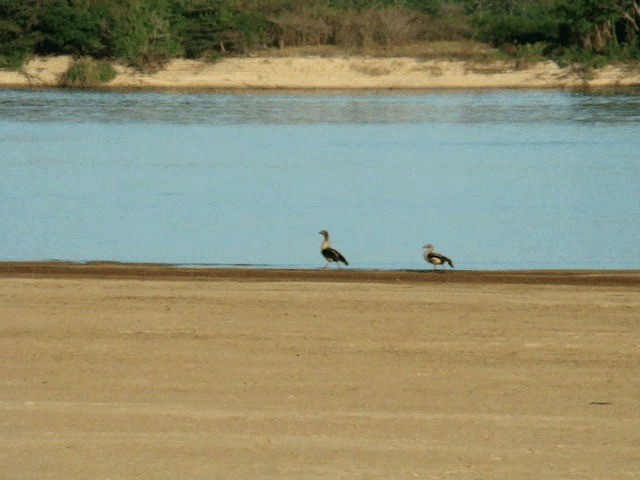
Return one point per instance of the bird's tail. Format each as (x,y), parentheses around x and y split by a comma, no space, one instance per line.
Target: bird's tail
(448,260)
(343,260)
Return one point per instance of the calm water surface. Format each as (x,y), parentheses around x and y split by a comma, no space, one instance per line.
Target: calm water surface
(495,180)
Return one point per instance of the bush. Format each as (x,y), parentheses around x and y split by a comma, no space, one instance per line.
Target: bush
(528,54)
(87,72)
(532,25)
(380,27)
(298,29)
(421,6)
(14,61)
(588,58)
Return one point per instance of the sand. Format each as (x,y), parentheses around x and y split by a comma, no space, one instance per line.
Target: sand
(145,371)
(343,73)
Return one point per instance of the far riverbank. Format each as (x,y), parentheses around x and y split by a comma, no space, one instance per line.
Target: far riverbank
(316,73)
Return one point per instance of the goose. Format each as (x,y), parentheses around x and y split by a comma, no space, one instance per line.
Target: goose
(435,258)
(330,254)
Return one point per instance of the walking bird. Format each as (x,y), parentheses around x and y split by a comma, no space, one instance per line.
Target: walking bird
(435,258)
(330,254)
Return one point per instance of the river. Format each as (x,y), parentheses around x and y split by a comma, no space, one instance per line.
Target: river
(494,179)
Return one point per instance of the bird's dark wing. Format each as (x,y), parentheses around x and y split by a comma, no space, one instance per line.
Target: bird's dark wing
(333,255)
(442,258)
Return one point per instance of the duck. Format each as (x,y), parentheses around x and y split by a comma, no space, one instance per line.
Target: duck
(434,258)
(331,255)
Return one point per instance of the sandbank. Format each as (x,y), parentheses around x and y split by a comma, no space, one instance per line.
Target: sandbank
(149,371)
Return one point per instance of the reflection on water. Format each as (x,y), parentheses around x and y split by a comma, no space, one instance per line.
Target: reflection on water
(310,109)
(495,180)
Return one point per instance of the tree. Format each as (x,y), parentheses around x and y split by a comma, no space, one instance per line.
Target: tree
(508,22)
(75,27)
(599,24)
(216,26)
(142,32)
(18,31)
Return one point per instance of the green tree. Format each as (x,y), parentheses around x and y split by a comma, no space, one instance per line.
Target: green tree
(597,25)
(212,25)
(142,32)
(73,27)
(18,31)
(514,22)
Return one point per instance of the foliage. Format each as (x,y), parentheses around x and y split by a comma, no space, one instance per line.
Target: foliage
(146,33)
(596,25)
(530,24)
(86,72)
(142,32)
(211,25)
(18,31)
(72,27)
(530,53)
(422,6)
(590,31)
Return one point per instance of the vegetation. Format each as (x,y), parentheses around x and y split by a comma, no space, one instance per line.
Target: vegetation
(146,33)
(87,72)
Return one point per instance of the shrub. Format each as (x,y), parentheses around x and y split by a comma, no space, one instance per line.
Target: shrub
(380,27)
(528,54)
(14,60)
(86,72)
(297,29)
(588,58)
(528,26)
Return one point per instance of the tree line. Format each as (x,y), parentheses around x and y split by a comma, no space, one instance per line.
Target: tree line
(145,33)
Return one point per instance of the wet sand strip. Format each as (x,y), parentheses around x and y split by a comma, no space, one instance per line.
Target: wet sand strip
(144,271)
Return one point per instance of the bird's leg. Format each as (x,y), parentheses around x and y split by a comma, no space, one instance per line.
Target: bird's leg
(326,265)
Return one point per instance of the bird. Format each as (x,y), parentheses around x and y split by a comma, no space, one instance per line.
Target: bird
(330,254)
(435,258)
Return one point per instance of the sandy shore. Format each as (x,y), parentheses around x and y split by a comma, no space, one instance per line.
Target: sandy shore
(142,371)
(331,73)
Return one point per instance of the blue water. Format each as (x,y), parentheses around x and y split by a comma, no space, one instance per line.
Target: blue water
(495,180)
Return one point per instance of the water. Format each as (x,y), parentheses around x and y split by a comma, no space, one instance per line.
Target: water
(495,180)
